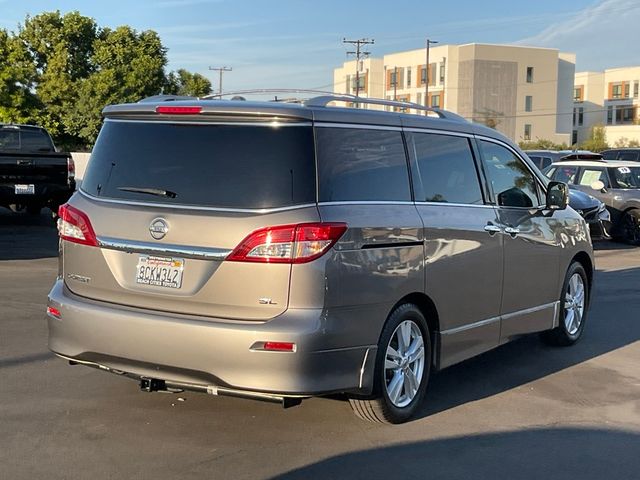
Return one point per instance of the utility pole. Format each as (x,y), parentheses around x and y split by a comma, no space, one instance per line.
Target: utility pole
(426,83)
(220,70)
(359,54)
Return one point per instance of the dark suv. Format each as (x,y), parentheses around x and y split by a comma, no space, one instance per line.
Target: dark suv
(280,251)
(627,154)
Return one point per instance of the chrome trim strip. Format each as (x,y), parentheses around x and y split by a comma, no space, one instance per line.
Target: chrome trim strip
(556,315)
(470,326)
(359,126)
(491,320)
(364,364)
(265,123)
(530,310)
(131,246)
(362,202)
(194,207)
(447,204)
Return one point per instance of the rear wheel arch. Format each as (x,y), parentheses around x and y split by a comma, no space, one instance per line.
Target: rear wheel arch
(584,259)
(428,309)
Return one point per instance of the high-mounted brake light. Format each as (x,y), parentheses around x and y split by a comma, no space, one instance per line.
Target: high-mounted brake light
(74,226)
(300,243)
(178,110)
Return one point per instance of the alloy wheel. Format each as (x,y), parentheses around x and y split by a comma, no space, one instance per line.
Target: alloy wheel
(404,363)
(574,303)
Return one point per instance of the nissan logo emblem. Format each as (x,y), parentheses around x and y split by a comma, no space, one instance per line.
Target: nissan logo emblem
(158,228)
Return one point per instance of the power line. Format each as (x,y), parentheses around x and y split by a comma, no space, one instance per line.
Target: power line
(220,70)
(359,54)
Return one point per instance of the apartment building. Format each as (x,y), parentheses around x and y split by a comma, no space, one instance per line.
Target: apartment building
(609,98)
(524,92)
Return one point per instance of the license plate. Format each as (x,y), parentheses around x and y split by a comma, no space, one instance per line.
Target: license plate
(159,271)
(24,189)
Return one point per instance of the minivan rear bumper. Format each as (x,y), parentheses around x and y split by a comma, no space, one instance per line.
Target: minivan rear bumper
(209,354)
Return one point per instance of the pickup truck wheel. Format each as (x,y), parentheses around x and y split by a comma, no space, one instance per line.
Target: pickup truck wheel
(574,304)
(403,365)
(630,227)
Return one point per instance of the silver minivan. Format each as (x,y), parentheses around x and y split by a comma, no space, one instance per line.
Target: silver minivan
(281,251)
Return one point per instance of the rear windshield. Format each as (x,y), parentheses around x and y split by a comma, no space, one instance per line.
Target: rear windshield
(25,139)
(226,166)
(627,177)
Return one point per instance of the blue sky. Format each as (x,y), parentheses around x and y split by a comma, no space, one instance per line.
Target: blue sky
(297,43)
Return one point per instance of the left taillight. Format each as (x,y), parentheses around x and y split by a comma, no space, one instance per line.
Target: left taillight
(75,226)
(300,243)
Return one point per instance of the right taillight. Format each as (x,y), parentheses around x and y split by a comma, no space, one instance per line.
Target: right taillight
(300,243)
(74,226)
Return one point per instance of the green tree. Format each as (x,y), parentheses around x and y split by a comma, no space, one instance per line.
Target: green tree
(128,67)
(18,103)
(183,82)
(542,144)
(597,141)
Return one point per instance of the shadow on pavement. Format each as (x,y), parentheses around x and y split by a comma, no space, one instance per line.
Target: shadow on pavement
(562,453)
(25,237)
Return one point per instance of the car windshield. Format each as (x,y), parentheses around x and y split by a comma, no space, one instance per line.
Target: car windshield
(627,177)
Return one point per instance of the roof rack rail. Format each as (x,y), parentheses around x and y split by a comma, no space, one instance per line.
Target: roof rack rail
(166,98)
(265,91)
(324,100)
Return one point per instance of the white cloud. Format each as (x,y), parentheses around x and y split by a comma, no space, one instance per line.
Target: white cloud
(603,35)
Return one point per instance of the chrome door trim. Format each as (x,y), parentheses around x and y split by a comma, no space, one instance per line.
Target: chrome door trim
(470,326)
(364,202)
(437,132)
(507,316)
(132,246)
(448,204)
(194,207)
(526,311)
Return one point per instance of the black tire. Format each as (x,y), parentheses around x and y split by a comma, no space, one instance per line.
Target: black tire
(34,209)
(562,335)
(379,408)
(630,227)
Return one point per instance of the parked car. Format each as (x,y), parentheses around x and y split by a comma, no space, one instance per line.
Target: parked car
(616,183)
(33,174)
(280,251)
(593,211)
(629,154)
(543,158)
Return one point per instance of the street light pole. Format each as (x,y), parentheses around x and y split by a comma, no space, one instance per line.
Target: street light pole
(426,83)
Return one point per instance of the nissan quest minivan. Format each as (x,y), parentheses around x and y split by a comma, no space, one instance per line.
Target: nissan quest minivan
(281,251)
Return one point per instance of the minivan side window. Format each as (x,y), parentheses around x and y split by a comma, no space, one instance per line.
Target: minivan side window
(361,165)
(512,182)
(444,169)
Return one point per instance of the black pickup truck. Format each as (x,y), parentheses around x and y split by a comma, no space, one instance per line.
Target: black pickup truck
(33,174)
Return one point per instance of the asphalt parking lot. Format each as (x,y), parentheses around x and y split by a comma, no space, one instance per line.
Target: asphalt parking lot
(523,411)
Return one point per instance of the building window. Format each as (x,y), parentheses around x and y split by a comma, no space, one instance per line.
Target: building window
(529,74)
(580,116)
(432,74)
(435,101)
(423,75)
(625,115)
(636,84)
(574,137)
(528,103)
(627,88)
(409,77)
(610,115)
(419,98)
(578,94)
(616,90)
(527,131)
(442,72)
(393,78)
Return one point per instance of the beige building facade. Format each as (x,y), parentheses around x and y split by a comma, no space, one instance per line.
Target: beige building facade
(609,98)
(524,92)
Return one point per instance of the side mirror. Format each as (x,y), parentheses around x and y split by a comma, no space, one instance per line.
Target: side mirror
(599,185)
(557,196)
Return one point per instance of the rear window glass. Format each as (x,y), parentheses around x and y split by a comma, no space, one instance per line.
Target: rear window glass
(226,166)
(610,154)
(633,156)
(361,165)
(25,139)
(627,177)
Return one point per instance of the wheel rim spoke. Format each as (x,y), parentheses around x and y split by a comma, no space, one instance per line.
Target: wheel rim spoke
(574,304)
(395,387)
(404,363)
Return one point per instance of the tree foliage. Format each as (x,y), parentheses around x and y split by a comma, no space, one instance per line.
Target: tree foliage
(542,144)
(597,141)
(183,82)
(61,70)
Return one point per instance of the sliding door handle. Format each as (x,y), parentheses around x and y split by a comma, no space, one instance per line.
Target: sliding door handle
(512,231)
(492,229)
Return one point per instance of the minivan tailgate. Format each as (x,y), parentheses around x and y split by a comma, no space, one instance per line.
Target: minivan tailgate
(196,241)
